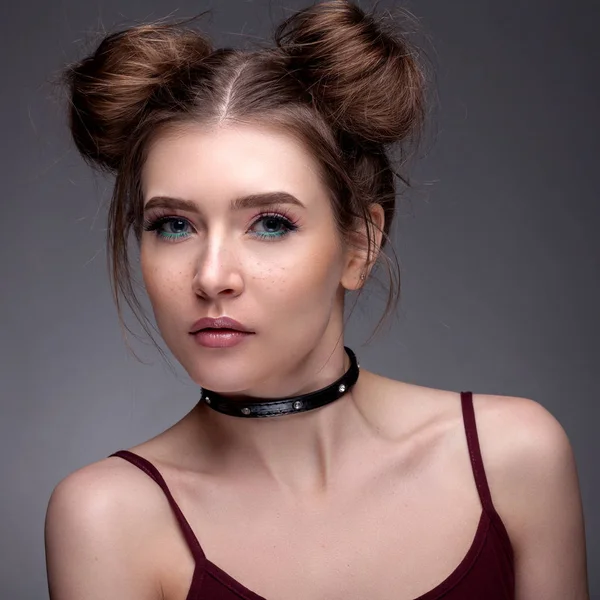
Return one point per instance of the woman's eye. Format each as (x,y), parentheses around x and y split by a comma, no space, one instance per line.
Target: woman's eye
(168,228)
(172,229)
(276,227)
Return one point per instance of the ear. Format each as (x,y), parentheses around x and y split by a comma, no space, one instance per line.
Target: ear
(357,261)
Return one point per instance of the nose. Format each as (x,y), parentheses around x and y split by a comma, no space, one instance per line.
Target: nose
(217,270)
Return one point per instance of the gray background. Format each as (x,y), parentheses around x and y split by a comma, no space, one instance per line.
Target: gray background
(498,246)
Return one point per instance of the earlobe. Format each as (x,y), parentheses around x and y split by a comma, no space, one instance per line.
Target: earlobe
(358,264)
(353,279)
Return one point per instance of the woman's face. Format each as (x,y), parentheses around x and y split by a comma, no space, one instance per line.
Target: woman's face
(277,269)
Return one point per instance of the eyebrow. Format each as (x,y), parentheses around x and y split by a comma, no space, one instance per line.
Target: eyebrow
(241,203)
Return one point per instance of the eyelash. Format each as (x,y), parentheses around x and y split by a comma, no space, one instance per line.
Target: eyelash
(155,223)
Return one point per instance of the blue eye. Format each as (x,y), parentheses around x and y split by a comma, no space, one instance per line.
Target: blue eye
(176,222)
(172,229)
(274,221)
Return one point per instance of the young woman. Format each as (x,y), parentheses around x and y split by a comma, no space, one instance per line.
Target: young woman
(259,188)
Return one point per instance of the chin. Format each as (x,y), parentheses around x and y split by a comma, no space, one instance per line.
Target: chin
(221,375)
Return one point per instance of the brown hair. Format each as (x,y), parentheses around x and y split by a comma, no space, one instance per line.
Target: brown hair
(343,83)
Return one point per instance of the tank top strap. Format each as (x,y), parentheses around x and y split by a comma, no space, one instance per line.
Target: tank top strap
(147,467)
(481,482)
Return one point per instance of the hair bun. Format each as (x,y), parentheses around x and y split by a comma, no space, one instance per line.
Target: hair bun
(363,77)
(111,88)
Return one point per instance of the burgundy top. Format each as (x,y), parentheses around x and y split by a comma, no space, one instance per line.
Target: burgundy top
(486,571)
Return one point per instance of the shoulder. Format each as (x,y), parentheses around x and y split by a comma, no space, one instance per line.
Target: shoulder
(97,535)
(532,474)
(104,490)
(522,443)
(519,428)
(513,431)
(526,452)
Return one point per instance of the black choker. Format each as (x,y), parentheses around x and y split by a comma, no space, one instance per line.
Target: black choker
(291,404)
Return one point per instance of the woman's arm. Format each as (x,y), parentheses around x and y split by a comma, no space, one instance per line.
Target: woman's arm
(536,492)
(95,542)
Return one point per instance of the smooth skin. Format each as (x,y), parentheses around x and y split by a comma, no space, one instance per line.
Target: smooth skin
(371,496)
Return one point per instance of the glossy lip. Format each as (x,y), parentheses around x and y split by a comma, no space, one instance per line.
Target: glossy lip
(219,338)
(218,323)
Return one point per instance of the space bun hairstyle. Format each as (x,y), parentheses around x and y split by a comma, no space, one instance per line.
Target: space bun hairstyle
(114,89)
(345,83)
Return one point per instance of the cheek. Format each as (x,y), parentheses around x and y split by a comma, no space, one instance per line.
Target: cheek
(165,283)
(306,284)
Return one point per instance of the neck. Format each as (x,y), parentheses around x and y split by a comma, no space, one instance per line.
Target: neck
(259,408)
(299,452)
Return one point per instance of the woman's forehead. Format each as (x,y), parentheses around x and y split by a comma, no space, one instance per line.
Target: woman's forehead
(240,157)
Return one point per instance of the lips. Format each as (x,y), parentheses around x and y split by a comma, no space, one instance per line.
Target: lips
(223,324)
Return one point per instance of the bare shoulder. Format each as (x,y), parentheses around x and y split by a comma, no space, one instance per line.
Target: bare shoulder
(533,478)
(527,455)
(530,469)
(521,441)
(98,542)
(526,420)
(516,434)
(525,450)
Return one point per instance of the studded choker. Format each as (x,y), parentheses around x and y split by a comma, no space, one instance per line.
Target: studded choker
(285,406)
